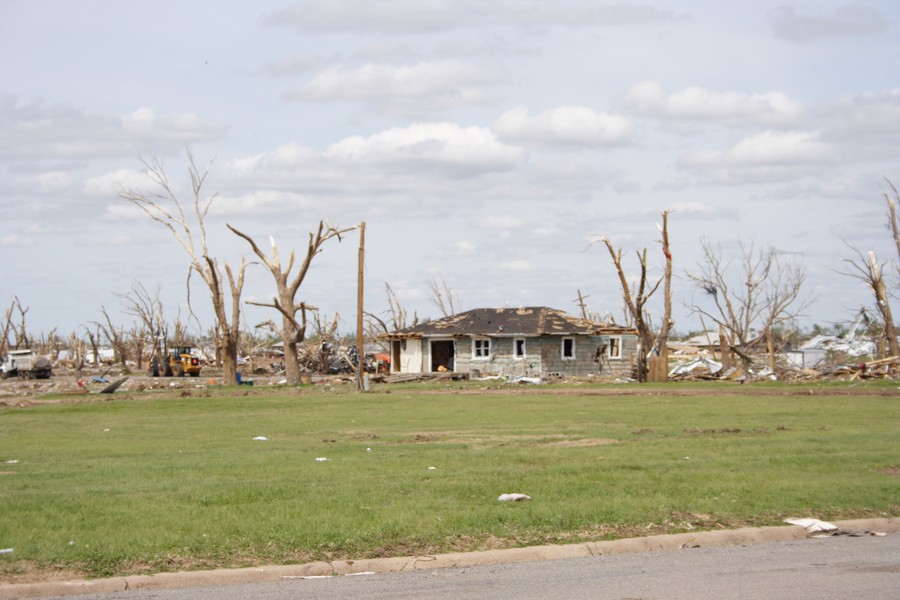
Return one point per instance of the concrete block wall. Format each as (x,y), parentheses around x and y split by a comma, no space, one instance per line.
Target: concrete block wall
(543,356)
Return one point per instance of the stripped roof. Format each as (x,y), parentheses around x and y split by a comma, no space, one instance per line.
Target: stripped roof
(523,321)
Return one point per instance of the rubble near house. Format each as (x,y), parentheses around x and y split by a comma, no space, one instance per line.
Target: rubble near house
(853,347)
(696,367)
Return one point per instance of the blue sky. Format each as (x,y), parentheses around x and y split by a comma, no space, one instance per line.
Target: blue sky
(485,143)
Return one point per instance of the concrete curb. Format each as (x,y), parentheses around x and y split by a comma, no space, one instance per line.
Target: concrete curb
(703,539)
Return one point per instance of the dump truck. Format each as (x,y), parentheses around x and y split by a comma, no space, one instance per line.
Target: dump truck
(25,364)
(180,361)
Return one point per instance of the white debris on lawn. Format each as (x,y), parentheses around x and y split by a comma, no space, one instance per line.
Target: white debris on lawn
(513,497)
(260,438)
(812,525)
(701,363)
(321,459)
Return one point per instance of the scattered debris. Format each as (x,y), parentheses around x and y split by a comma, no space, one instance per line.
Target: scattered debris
(112,387)
(820,529)
(697,366)
(513,497)
(812,525)
(528,380)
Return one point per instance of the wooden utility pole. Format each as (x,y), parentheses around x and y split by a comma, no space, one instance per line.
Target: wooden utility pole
(359,307)
(583,306)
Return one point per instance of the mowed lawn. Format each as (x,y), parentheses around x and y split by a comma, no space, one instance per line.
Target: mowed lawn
(137,483)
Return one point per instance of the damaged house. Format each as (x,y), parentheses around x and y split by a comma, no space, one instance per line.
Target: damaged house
(518,342)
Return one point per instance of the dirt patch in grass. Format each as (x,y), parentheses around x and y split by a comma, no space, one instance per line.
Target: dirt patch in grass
(529,441)
(892,470)
(26,571)
(582,443)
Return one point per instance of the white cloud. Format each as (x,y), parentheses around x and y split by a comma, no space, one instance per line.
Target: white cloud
(443,146)
(261,202)
(769,155)
(564,126)
(868,116)
(37,129)
(423,16)
(123,211)
(109,184)
(545,232)
(464,248)
(293,65)
(50,182)
(516,265)
(425,86)
(851,21)
(698,104)
(501,222)
(14,240)
(393,16)
(701,211)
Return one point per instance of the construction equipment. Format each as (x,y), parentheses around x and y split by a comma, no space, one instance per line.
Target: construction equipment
(25,364)
(179,362)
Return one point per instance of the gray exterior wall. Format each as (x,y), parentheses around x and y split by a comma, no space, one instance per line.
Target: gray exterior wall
(543,356)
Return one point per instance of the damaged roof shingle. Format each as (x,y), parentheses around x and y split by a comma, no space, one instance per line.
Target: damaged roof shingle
(523,321)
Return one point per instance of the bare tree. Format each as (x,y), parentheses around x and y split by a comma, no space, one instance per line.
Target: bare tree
(395,318)
(867,269)
(293,313)
(653,352)
(768,293)
(149,310)
(396,313)
(115,337)
(443,296)
(77,350)
(166,208)
(137,338)
(893,218)
(7,324)
(20,331)
(94,339)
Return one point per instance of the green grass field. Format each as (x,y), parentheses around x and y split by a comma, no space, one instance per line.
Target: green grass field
(145,483)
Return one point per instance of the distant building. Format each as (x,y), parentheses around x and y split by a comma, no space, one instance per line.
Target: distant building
(527,342)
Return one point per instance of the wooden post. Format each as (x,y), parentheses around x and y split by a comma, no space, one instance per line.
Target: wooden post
(581,303)
(359,307)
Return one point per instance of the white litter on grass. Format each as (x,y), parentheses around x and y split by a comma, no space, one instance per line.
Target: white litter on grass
(6,551)
(106,430)
(432,468)
(321,459)
(812,525)
(260,438)
(513,497)
(368,449)
(11,462)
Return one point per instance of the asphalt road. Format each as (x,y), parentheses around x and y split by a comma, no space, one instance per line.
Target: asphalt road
(822,569)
